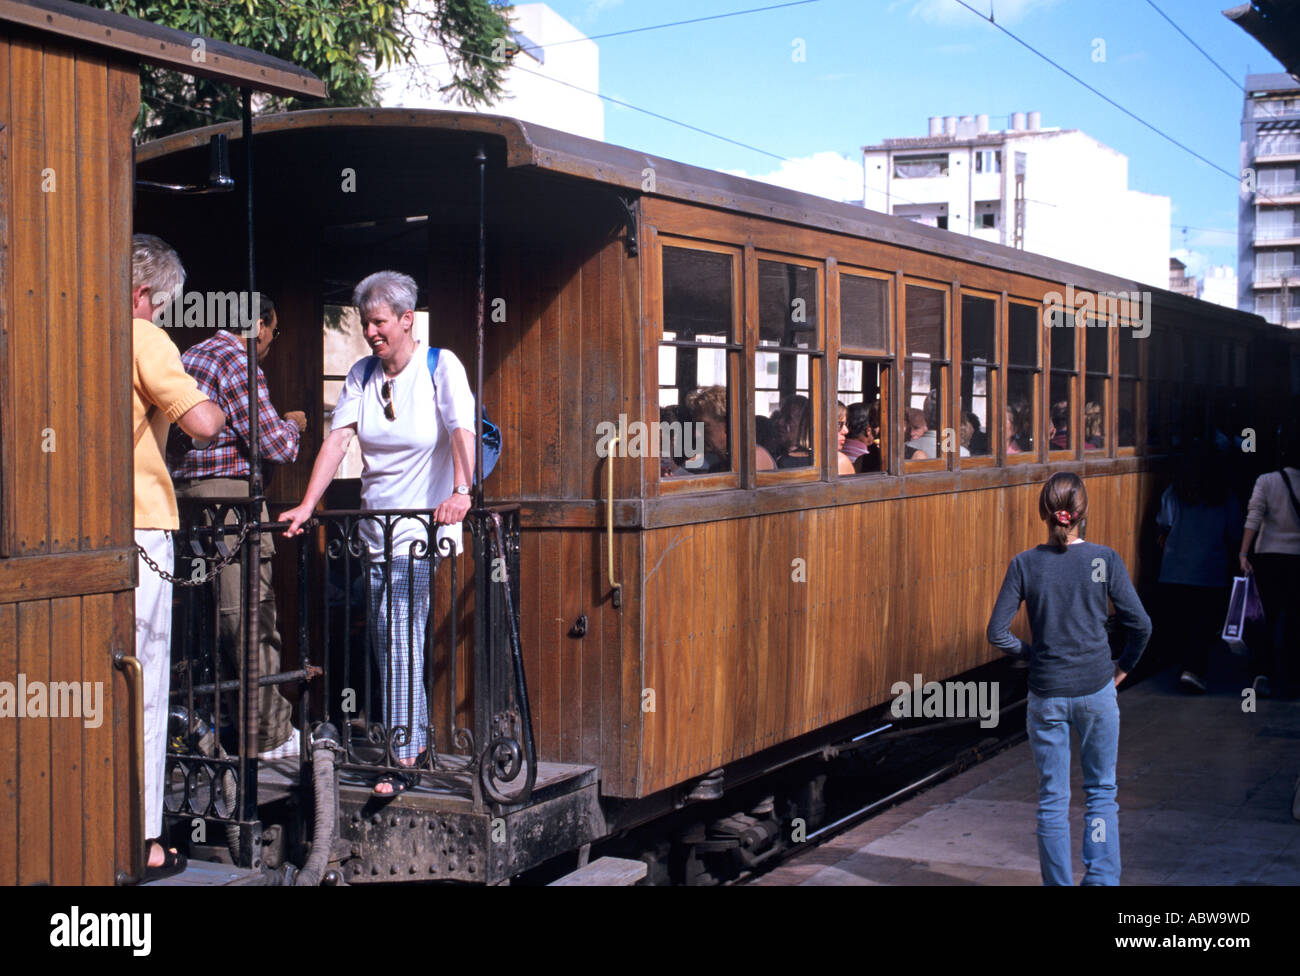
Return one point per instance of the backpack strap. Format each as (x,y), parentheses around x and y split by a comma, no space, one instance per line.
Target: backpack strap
(148,417)
(1295,505)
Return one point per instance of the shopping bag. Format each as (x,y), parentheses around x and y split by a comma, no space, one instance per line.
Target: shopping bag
(1244,608)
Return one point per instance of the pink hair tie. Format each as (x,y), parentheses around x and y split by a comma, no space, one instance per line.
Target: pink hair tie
(1062,516)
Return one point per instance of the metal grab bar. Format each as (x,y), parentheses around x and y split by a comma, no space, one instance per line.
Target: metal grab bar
(135,676)
(609,522)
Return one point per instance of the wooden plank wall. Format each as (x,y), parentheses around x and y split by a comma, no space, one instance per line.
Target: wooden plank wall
(748,656)
(66,600)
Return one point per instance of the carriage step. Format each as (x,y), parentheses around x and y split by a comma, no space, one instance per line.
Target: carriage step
(605,872)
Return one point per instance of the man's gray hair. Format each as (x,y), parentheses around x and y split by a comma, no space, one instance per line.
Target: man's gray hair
(156,264)
(392,288)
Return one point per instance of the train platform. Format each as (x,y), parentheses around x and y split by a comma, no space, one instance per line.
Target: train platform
(1205,797)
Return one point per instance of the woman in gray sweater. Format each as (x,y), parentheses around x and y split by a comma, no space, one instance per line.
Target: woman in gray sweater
(1066,585)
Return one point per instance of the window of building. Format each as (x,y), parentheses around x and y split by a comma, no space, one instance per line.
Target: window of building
(925,372)
(1096,384)
(941,221)
(979,363)
(787,398)
(862,376)
(1019,422)
(1062,382)
(697,366)
(913,167)
(988,220)
(988,160)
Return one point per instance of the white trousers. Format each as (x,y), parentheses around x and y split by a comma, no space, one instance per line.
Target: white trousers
(153,633)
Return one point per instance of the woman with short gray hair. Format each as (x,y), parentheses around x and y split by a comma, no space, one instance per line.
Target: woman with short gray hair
(414,421)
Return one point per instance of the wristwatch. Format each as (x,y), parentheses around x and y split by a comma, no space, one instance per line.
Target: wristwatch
(462,489)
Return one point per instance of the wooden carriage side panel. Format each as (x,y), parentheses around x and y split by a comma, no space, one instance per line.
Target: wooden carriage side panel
(59,335)
(35,835)
(97,318)
(27,495)
(9,769)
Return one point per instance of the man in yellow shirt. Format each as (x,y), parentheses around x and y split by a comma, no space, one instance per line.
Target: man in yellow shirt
(162,394)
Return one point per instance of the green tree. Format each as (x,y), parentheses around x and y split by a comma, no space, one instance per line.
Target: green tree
(343,42)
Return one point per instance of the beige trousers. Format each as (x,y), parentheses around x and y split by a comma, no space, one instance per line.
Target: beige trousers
(274,711)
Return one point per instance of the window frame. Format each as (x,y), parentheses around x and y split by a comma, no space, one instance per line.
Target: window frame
(736,370)
(1108,405)
(818,382)
(1037,373)
(1074,374)
(882,356)
(940,463)
(994,373)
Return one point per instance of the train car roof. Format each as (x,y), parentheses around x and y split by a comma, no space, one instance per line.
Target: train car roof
(529,145)
(163,46)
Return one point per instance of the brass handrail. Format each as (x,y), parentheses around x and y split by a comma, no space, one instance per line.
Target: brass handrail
(609,521)
(135,676)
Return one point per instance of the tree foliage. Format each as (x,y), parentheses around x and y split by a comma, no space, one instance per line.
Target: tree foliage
(343,42)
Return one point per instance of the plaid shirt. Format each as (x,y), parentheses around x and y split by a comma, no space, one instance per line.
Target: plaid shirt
(220,366)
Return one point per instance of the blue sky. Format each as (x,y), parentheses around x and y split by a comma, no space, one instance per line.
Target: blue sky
(879,68)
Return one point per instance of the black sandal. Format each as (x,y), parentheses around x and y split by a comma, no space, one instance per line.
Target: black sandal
(398,783)
(173,863)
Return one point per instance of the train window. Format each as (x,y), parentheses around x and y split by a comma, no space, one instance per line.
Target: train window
(924,411)
(861,388)
(864,312)
(344,344)
(1127,389)
(787,397)
(1096,384)
(1062,382)
(1018,426)
(787,305)
(978,368)
(697,365)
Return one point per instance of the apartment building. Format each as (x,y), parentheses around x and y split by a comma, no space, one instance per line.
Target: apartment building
(1057,192)
(1268,228)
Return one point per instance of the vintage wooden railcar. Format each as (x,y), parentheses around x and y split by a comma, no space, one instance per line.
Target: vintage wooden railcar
(70,809)
(683,632)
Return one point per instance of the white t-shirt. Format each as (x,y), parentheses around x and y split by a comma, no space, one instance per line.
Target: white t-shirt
(407,462)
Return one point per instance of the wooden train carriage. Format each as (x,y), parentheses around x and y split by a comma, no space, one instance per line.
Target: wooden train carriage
(69,93)
(743,610)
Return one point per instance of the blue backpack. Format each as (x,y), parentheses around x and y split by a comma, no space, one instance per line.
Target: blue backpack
(491,433)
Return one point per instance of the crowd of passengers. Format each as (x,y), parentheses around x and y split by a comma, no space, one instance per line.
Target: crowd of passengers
(784,439)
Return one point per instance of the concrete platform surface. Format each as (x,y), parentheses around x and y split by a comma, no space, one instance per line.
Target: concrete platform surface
(1205,791)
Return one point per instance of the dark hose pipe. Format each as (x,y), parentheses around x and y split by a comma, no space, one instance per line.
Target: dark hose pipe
(324,746)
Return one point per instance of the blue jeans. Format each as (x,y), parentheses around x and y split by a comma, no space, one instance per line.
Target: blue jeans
(1095,718)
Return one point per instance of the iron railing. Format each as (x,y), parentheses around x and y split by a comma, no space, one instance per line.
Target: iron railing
(419,665)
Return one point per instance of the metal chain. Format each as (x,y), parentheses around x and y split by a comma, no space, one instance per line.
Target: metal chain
(188,580)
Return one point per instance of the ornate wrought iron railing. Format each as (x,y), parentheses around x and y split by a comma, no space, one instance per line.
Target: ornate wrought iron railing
(419,668)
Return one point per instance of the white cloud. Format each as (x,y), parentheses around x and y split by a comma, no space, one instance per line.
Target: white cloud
(949,13)
(826,174)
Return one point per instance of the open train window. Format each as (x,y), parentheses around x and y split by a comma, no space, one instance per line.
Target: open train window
(925,376)
(697,366)
(1127,393)
(788,400)
(1062,382)
(863,370)
(978,377)
(1096,386)
(1019,423)
(343,345)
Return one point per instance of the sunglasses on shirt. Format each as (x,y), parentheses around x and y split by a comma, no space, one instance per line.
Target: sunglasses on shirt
(386,395)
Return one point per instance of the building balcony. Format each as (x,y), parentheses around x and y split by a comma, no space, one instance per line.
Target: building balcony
(1273,277)
(1275,193)
(1277,150)
(1277,235)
